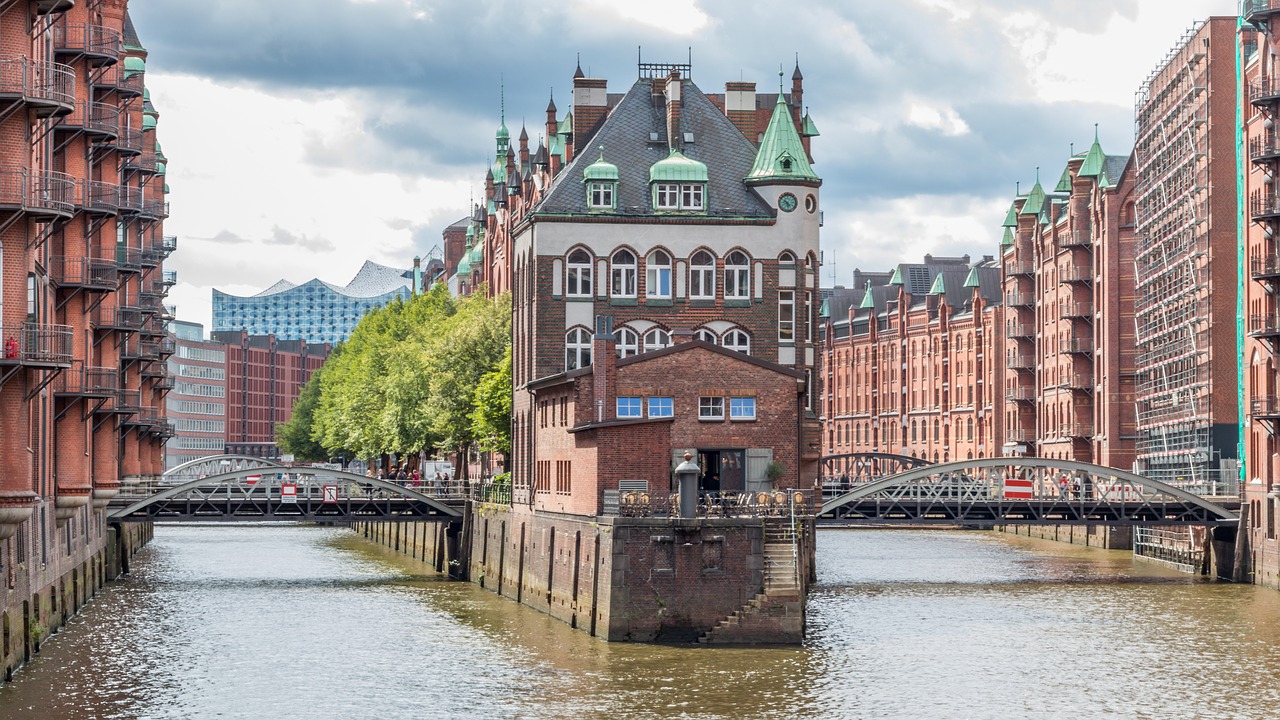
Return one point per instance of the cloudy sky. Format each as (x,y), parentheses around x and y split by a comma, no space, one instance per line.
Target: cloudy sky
(305,136)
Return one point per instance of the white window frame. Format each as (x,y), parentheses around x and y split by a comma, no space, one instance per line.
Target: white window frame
(657,339)
(736,340)
(737,276)
(600,195)
(628,343)
(706,335)
(742,408)
(629,404)
(622,274)
(577,274)
(710,408)
(666,196)
(692,196)
(702,277)
(661,407)
(657,275)
(577,348)
(786,316)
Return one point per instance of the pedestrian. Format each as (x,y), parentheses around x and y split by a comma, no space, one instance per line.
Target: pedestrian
(439,484)
(415,478)
(401,477)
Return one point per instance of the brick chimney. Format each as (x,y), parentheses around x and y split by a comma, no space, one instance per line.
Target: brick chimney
(604,370)
(740,106)
(680,337)
(590,103)
(675,102)
(524,149)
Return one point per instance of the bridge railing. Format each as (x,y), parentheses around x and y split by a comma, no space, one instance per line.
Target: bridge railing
(760,504)
(144,486)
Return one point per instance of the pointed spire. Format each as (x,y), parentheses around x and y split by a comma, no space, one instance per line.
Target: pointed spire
(1095,159)
(578,72)
(524,134)
(781,155)
(797,75)
(1035,199)
(551,102)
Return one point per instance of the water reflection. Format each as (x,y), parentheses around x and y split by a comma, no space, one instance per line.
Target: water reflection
(300,622)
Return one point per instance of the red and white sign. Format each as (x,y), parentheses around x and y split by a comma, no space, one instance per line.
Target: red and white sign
(330,493)
(1016,488)
(252,479)
(289,493)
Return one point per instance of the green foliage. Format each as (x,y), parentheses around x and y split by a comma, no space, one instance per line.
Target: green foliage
(294,437)
(409,379)
(774,471)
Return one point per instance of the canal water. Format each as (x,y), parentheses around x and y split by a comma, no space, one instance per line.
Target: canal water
(303,622)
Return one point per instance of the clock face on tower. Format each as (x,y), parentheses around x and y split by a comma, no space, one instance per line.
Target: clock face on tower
(787,202)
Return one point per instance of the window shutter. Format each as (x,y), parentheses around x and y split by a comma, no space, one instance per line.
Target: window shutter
(758,460)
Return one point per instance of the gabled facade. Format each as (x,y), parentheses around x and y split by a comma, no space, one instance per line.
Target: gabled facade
(666,219)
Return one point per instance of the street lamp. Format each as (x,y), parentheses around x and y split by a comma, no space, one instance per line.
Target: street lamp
(687,472)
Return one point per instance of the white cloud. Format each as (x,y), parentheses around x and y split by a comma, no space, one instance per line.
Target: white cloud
(945,120)
(676,17)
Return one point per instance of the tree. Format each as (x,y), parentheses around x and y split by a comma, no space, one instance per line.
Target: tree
(294,437)
(491,413)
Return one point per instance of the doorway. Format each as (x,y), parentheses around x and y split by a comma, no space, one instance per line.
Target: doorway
(722,470)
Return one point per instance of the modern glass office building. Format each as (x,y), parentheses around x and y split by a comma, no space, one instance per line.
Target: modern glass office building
(315,311)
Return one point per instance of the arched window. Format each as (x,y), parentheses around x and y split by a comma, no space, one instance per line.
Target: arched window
(623,274)
(970,428)
(937,430)
(702,276)
(578,274)
(657,276)
(577,349)
(656,339)
(705,335)
(787,258)
(628,343)
(737,275)
(737,341)
(914,435)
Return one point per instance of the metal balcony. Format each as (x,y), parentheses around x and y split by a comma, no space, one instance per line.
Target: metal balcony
(131,199)
(1019,268)
(1265,268)
(1265,408)
(151,257)
(156,326)
(164,428)
(40,345)
(1076,311)
(93,382)
(168,312)
(1075,238)
(43,194)
(129,259)
(129,141)
(1258,12)
(170,278)
(1020,300)
(116,79)
(1020,362)
(1020,394)
(1078,430)
(168,243)
(82,272)
(1082,382)
(1264,326)
(1076,346)
(142,415)
(124,318)
(48,88)
(144,161)
(1264,148)
(1082,274)
(149,302)
(156,367)
(166,383)
(1020,435)
(155,208)
(1263,206)
(99,44)
(1019,331)
(128,401)
(100,198)
(168,346)
(100,120)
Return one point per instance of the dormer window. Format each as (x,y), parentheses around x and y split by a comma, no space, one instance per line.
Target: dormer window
(666,197)
(691,197)
(679,183)
(601,179)
(600,195)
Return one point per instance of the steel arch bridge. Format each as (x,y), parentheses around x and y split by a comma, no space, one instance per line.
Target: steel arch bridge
(275,494)
(1022,491)
(857,468)
(217,464)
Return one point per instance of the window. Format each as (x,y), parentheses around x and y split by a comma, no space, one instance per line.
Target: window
(737,275)
(702,276)
(691,197)
(705,335)
(623,274)
(738,341)
(787,258)
(742,408)
(656,339)
(661,407)
(600,195)
(629,407)
(33,305)
(579,274)
(786,316)
(628,343)
(657,279)
(577,349)
(710,408)
(666,197)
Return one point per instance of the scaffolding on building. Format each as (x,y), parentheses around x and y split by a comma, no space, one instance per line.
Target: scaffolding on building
(1171,269)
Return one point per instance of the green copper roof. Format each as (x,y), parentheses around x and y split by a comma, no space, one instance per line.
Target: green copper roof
(676,167)
(868,302)
(601,170)
(972,281)
(1008,237)
(471,232)
(808,129)
(1064,182)
(1035,201)
(503,132)
(148,121)
(1093,161)
(134,66)
(566,125)
(825,310)
(464,265)
(897,277)
(159,152)
(1011,219)
(939,287)
(160,168)
(555,146)
(781,155)
(166,188)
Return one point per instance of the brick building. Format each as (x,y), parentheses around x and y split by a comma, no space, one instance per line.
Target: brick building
(197,405)
(908,362)
(1187,266)
(82,371)
(1069,345)
(264,376)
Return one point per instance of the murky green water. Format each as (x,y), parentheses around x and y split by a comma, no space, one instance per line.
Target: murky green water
(299,622)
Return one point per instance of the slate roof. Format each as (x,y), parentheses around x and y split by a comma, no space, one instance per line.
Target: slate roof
(130,39)
(842,299)
(625,138)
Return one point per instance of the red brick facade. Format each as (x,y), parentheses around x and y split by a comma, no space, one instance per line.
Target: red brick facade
(264,378)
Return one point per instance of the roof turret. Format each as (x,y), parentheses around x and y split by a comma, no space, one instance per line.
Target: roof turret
(781,155)
(607,171)
(677,167)
(1094,159)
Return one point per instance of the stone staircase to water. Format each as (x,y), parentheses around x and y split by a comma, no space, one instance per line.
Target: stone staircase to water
(775,616)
